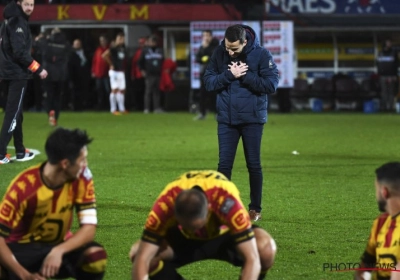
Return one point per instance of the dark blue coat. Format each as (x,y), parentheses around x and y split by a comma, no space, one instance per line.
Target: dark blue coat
(242,100)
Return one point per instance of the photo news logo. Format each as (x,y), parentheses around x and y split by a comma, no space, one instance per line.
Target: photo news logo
(343,267)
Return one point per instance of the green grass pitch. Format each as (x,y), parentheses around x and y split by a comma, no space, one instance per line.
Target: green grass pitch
(318,205)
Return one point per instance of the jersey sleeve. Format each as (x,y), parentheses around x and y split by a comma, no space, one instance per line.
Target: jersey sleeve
(369,256)
(85,200)
(161,216)
(234,215)
(12,207)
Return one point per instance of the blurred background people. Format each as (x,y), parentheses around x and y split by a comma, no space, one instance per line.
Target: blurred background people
(34,99)
(55,52)
(79,77)
(387,64)
(116,57)
(150,64)
(166,82)
(206,99)
(100,73)
(138,85)
(3,98)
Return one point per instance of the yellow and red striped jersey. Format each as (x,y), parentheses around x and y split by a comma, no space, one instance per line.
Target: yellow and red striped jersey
(226,212)
(383,248)
(32,212)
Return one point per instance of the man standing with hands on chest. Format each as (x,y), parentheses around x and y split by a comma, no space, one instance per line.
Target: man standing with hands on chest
(243,74)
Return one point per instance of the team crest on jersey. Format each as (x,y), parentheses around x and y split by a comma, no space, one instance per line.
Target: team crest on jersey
(239,220)
(153,221)
(19,30)
(6,211)
(89,195)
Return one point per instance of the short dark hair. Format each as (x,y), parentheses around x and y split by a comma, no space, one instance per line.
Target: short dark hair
(191,204)
(234,33)
(389,173)
(65,144)
(120,34)
(207,31)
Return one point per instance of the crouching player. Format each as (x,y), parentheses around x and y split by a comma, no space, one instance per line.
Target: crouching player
(200,216)
(36,214)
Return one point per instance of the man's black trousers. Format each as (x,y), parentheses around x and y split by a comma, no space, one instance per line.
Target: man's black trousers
(13,118)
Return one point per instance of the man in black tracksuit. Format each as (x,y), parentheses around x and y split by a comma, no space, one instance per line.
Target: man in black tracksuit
(16,66)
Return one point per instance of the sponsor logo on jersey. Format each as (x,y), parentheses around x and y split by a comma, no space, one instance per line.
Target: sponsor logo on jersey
(227,205)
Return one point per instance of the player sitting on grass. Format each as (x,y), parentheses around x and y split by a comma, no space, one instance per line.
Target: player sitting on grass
(200,216)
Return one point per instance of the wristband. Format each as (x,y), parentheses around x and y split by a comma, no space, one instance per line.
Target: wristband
(34,66)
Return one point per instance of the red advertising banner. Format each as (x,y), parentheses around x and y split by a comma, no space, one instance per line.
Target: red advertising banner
(125,12)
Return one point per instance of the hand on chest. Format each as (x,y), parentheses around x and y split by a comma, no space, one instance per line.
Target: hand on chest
(252,65)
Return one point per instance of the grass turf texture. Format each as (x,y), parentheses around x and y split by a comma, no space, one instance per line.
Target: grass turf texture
(318,205)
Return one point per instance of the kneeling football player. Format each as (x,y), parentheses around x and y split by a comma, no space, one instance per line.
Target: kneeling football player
(197,217)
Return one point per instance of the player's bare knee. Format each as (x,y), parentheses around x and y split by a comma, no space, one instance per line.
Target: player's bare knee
(94,260)
(266,248)
(269,254)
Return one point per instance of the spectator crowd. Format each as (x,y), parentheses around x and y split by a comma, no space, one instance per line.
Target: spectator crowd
(82,80)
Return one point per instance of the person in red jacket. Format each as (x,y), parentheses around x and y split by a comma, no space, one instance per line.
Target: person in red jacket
(100,72)
(166,82)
